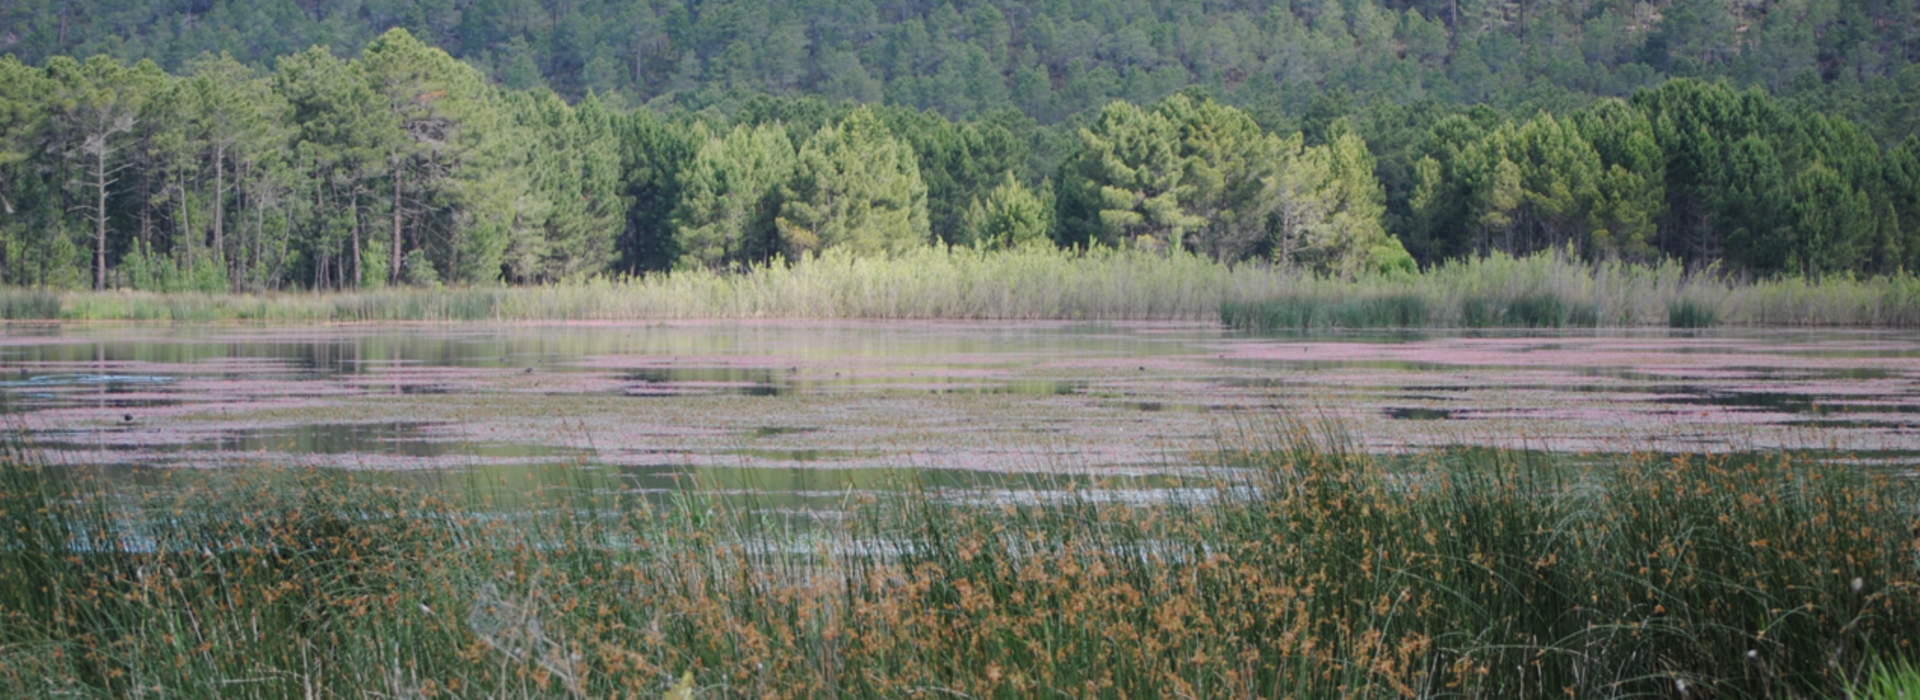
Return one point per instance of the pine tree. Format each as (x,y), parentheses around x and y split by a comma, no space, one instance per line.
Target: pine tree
(1124,184)
(573,168)
(1632,188)
(1754,208)
(453,190)
(237,117)
(1830,219)
(97,105)
(730,194)
(855,187)
(1009,216)
(32,240)
(345,135)
(1227,162)
(1331,208)
(653,153)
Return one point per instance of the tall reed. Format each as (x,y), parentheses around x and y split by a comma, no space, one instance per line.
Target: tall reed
(1307,570)
(1544,290)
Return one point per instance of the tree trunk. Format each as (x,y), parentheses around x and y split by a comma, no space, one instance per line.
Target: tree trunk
(219,203)
(393,260)
(100,218)
(146,210)
(259,224)
(320,251)
(184,227)
(353,205)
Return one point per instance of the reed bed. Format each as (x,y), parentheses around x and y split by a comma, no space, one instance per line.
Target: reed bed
(1551,290)
(960,283)
(1307,571)
(1548,290)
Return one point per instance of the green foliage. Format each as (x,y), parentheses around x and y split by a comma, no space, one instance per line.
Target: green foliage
(854,187)
(574,170)
(1755,208)
(1829,219)
(1329,215)
(1055,61)
(418,271)
(1369,138)
(730,194)
(1123,187)
(1228,167)
(653,153)
(158,273)
(1010,216)
(1390,258)
(960,163)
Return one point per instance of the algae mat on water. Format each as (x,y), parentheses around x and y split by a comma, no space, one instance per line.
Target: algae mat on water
(786,395)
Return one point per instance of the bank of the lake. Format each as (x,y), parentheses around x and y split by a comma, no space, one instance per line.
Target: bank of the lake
(1044,283)
(1305,570)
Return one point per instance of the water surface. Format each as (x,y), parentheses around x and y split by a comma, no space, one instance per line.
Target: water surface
(809,407)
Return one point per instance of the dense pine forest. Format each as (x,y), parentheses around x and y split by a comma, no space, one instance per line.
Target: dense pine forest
(328,145)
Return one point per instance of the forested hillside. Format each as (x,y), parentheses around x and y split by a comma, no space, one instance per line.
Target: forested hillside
(270,145)
(1051,59)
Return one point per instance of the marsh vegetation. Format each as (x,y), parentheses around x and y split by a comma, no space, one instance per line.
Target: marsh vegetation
(1303,569)
(1038,282)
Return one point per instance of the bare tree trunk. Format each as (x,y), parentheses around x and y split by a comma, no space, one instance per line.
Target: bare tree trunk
(241,200)
(100,218)
(146,209)
(320,251)
(184,227)
(393,260)
(259,226)
(219,203)
(353,205)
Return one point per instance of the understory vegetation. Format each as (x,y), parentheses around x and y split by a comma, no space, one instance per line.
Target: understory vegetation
(1306,570)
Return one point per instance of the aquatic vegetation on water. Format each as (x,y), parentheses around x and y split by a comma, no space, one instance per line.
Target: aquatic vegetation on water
(1311,571)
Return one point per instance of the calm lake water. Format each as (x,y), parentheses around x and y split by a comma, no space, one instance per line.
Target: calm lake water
(815,406)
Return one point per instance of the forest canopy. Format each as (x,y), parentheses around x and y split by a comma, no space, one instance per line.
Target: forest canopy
(272,145)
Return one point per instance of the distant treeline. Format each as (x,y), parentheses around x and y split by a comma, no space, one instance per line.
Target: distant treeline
(403,165)
(1055,59)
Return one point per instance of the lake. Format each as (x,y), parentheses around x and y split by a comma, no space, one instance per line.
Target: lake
(804,407)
